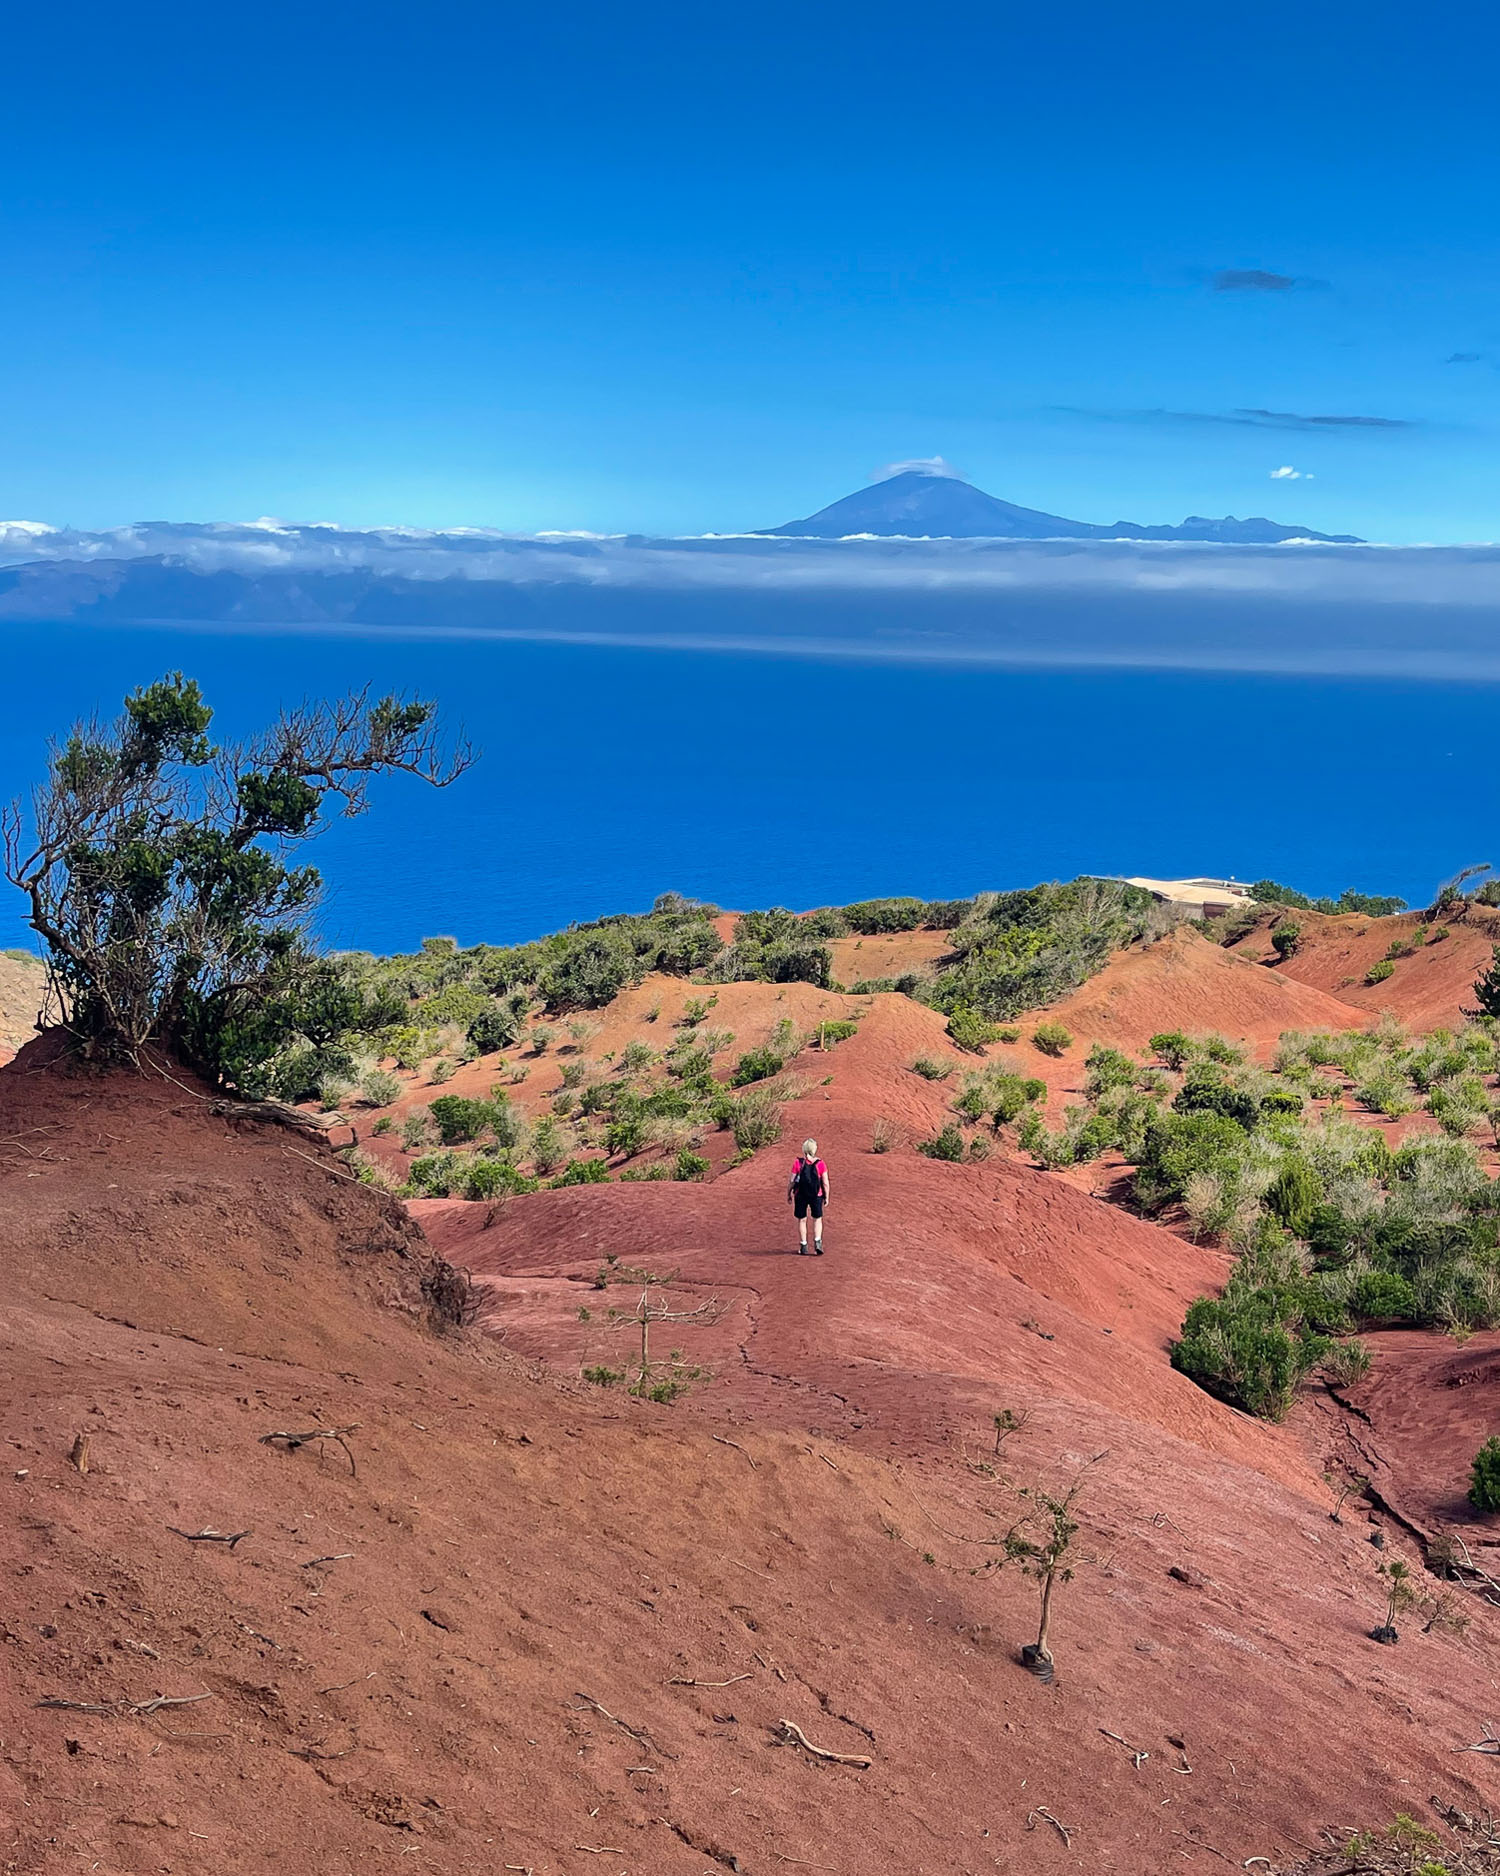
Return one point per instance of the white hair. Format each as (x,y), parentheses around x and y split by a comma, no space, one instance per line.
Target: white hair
(809,1146)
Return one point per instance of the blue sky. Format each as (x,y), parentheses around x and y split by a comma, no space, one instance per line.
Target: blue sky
(676,268)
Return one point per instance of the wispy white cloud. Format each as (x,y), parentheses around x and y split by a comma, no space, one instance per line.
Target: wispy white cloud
(922,465)
(1286,473)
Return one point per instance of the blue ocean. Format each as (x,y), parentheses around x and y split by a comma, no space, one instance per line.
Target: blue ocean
(609,774)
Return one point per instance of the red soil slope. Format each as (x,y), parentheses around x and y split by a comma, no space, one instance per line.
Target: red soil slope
(1429,990)
(1184,982)
(550,1628)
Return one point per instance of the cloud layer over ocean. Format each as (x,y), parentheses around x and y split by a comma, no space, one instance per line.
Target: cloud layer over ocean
(1298,607)
(1367,575)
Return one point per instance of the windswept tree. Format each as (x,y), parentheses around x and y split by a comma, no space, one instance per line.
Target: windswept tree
(158,866)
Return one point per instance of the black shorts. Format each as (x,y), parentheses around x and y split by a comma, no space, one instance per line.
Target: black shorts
(803,1206)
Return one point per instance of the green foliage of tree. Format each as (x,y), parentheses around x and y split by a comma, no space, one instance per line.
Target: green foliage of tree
(1286,939)
(156,868)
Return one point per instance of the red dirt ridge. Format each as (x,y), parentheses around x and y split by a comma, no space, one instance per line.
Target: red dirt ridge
(528,1623)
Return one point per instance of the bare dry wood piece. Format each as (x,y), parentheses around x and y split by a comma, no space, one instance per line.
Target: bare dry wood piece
(676,1682)
(339,1556)
(207,1536)
(279,1114)
(78,1459)
(1489,1742)
(737,1447)
(292,1441)
(125,1706)
(637,1733)
(1046,1816)
(793,1735)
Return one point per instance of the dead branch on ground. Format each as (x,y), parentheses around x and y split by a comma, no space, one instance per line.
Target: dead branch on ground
(292,1441)
(207,1536)
(279,1114)
(793,1735)
(133,1708)
(1046,1816)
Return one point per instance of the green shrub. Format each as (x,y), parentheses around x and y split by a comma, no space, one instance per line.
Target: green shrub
(458,1118)
(1172,1047)
(1108,1068)
(1484,1477)
(626,1133)
(827,922)
(756,1119)
(1252,1346)
(507,1121)
(930,1069)
(1378,972)
(384,1125)
(757,1065)
(948,1144)
(832,1033)
(1286,939)
(380,1087)
(1021,950)
(657,1170)
(1013,1094)
(547,1146)
(871,916)
(635,1057)
(1294,1195)
(1347,1363)
(440,1072)
(1206,1090)
(541,1039)
(1382,1296)
(583,1172)
(1052,1038)
(604,1377)
(691,1165)
(970,1031)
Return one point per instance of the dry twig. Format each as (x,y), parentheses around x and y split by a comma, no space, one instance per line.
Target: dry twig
(792,1734)
(1046,1816)
(133,1708)
(208,1536)
(729,1683)
(292,1441)
(737,1447)
(637,1733)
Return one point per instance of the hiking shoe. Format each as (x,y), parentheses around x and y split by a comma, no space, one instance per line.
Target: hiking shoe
(817,1250)
(802,1250)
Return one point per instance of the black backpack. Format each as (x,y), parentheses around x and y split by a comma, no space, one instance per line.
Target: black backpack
(809,1180)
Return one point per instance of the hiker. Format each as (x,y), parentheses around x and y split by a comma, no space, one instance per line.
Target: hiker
(807,1191)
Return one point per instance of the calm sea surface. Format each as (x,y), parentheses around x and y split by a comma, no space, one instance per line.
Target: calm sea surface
(609,775)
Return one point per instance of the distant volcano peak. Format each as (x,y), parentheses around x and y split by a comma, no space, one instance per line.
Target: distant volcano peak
(931,503)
